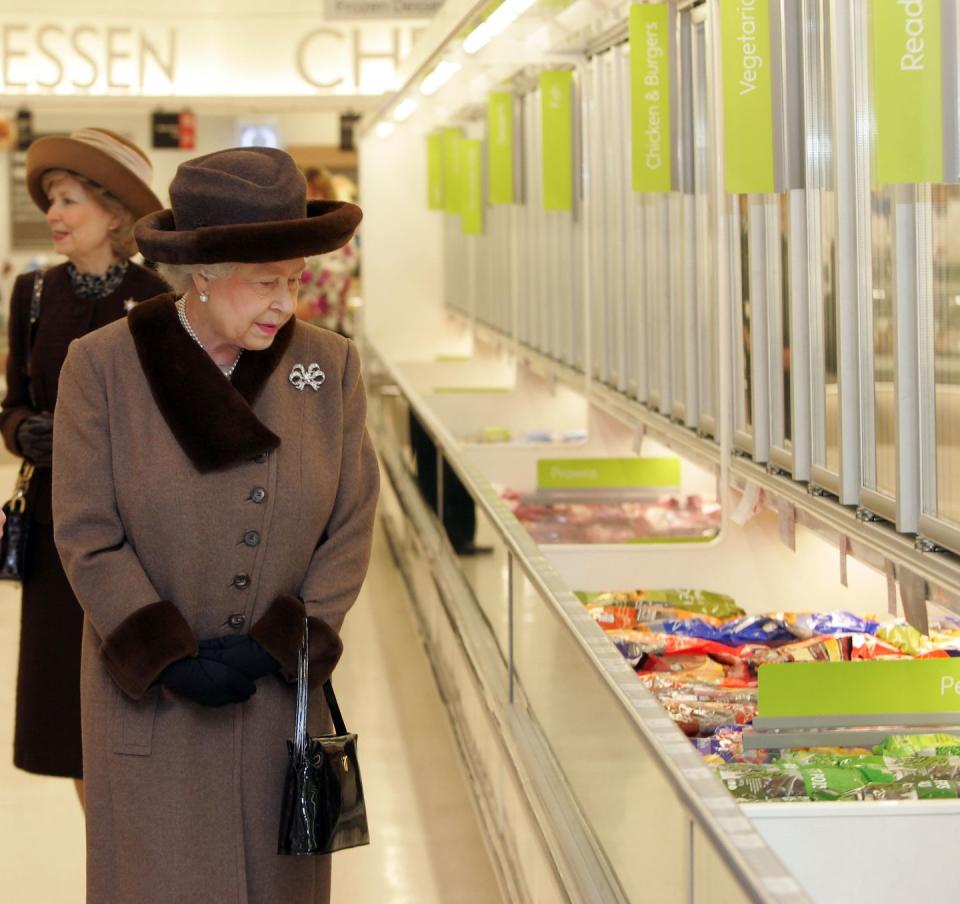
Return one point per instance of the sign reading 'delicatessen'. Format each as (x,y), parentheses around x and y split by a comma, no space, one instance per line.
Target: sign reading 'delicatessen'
(747,96)
(152,57)
(908,89)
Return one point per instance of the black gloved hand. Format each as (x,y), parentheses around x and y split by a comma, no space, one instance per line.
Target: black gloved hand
(205,682)
(241,652)
(35,439)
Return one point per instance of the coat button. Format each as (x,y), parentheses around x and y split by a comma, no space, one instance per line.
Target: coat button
(251,538)
(258,494)
(261,458)
(241,581)
(237,620)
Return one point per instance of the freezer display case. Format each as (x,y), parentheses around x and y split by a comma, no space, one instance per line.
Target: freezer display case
(560,668)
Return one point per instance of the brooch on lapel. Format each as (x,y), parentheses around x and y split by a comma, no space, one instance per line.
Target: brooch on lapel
(129,305)
(311,376)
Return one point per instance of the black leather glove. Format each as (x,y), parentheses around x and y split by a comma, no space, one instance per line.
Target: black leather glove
(35,439)
(241,652)
(206,682)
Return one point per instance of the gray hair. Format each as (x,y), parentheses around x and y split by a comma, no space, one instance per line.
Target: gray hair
(180,276)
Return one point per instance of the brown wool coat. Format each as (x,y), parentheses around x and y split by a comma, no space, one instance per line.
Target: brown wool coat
(47,735)
(188,506)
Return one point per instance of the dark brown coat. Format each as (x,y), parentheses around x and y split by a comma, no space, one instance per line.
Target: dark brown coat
(189,506)
(47,734)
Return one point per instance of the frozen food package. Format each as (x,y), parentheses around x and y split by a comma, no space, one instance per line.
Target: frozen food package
(703,602)
(819,649)
(718,605)
(920,745)
(614,617)
(937,789)
(749,629)
(759,782)
(903,636)
(869,646)
(813,624)
(808,757)
(830,782)
(703,718)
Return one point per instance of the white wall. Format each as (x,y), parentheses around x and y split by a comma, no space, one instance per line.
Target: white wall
(402,251)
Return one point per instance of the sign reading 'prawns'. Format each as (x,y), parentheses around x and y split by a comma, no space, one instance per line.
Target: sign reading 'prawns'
(747,96)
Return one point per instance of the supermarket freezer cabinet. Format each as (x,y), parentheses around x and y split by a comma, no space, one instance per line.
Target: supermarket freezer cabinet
(571,715)
(619,758)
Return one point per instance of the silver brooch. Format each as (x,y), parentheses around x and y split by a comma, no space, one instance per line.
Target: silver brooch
(311,376)
(129,305)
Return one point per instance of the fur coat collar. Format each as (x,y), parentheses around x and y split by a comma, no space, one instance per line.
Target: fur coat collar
(210,416)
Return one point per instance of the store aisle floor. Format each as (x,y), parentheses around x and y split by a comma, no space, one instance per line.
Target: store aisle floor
(427,846)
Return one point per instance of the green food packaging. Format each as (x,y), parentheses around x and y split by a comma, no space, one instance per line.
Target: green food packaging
(922,745)
(717,605)
(830,782)
(938,789)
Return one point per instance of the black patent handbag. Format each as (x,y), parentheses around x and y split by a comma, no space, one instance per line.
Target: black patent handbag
(16,529)
(323,805)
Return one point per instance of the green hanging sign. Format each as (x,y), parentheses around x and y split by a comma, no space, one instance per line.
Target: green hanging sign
(650,95)
(435,199)
(908,91)
(472,187)
(500,147)
(556,107)
(747,96)
(607,473)
(812,689)
(452,169)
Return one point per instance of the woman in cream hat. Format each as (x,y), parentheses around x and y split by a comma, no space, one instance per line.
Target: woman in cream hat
(214,486)
(93,185)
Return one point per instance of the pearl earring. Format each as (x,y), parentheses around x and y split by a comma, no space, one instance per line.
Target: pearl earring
(204,298)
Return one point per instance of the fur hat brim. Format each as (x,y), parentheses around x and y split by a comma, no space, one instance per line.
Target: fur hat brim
(63,152)
(328,225)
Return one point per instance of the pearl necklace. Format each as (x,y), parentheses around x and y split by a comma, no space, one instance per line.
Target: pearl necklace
(182,314)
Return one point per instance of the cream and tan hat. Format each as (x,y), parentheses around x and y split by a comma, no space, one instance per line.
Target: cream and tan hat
(102,156)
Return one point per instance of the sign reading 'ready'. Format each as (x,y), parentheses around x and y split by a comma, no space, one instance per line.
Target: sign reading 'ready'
(908,91)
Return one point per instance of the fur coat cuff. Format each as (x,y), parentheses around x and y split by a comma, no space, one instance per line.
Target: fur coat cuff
(280,630)
(144,644)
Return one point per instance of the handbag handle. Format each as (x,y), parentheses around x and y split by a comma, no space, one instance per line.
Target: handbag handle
(303,677)
(35,300)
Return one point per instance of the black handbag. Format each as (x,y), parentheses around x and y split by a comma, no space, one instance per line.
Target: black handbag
(323,806)
(16,529)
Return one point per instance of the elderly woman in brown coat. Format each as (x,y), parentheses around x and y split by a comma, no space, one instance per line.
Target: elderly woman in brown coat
(215,484)
(93,185)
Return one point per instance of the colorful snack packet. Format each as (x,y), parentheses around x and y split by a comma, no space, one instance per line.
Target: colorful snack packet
(813,624)
(819,649)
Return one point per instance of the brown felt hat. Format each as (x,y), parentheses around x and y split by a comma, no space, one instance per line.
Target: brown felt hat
(103,157)
(244,205)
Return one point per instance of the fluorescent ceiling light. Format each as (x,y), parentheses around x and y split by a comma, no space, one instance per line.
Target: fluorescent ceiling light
(442,74)
(499,21)
(403,110)
(385,129)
